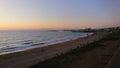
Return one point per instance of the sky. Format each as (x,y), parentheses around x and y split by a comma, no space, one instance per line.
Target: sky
(58,14)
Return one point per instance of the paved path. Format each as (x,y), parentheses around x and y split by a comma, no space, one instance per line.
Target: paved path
(115,62)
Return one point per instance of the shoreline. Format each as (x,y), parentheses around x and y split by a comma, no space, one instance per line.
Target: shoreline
(43,45)
(32,56)
(99,54)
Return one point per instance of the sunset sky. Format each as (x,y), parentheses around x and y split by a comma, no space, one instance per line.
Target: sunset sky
(58,14)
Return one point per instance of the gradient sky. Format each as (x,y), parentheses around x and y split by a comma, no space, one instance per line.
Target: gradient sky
(59,14)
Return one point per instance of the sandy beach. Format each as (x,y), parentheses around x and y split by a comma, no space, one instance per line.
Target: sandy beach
(29,57)
(100,54)
(59,33)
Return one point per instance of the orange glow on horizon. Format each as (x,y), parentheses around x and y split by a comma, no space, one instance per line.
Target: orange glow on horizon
(53,24)
(42,14)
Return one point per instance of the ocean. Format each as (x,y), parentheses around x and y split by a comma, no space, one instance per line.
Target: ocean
(13,41)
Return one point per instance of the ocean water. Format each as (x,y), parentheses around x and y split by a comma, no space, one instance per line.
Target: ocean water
(13,41)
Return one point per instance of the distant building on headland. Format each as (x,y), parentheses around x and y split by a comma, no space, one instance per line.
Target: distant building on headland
(96,30)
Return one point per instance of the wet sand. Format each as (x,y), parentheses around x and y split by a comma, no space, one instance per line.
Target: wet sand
(29,57)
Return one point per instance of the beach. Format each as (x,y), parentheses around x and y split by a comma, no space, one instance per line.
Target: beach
(59,33)
(99,54)
(29,57)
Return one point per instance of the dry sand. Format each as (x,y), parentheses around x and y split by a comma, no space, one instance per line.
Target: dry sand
(100,56)
(29,57)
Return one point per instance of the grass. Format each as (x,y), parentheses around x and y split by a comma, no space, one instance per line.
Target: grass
(64,60)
